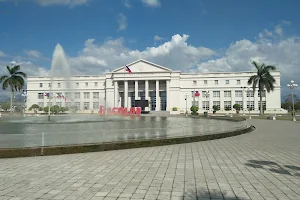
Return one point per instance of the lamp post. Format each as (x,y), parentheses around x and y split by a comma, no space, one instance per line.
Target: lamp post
(243,88)
(24,94)
(185,98)
(292,86)
(248,92)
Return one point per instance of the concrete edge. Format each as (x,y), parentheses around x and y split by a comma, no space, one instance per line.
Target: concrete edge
(84,148)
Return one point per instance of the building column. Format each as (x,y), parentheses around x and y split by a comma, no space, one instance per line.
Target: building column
(245,99)
(116,91)
(125,94)
(222,100)
(168,94)
(146,89)
(136,90)
(157,96)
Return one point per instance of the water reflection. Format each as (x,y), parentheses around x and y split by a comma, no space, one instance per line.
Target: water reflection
(18,133)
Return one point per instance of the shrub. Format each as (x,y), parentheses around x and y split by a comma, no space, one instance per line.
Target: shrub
(237,107)
(174,108)
(194,110)
(227,108)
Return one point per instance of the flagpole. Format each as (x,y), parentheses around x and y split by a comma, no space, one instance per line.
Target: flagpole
(124,88)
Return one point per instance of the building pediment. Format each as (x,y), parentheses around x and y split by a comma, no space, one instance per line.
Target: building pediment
(141,66)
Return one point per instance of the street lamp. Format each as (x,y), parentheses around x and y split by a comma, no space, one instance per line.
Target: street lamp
(248,92)
(243,88)
(24,94)
(185,98)
(292,86)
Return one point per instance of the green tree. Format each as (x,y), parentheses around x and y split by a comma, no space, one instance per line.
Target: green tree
(263,79)
(14,80)
(34,107)
(5,106)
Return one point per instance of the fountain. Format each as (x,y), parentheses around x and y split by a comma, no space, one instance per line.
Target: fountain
(34,132)
(59,68)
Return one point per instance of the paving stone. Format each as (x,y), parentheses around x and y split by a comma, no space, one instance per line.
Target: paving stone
(263,164)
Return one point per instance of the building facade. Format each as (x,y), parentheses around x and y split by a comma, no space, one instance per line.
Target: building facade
(164,88)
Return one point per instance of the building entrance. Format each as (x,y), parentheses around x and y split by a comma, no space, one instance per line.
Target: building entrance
(153,101)
(163,100)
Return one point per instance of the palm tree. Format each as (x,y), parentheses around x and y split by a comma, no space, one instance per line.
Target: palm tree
(263,79)
(14,80)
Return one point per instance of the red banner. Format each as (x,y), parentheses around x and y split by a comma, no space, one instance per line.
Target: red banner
(119,111)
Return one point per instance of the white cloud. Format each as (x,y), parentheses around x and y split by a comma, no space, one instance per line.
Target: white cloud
(157,38)
(33,53)
(71,3)
(239,55)
(176,54)
(152,3)
(127,3)
(122,21)
(2,54)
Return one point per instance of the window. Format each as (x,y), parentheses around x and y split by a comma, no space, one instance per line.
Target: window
(86,95)
(227,93)
(51,103)
(194,82)
(227,104)
(205,105)
(86,84)
(77,105)
(41,104)
(263,93)
(195,103)
(251,104)
(96,84)
(41,95)
(95,95)
(67,104)
(227,82)
(238,93)
(250,93)
(205,82)
(205,94)
(95,105)
(216,93)
(263,103)
(41,84)
(216,103)
(49,84)
(86,105)
(77,85)
(240,103)
(216,82)
(77,95)
(238,82)
(67,95)
(58,103)
(58,85)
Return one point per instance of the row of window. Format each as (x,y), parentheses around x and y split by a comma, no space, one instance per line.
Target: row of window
(227,104)
(77,105)
(76,84)
(238,93)
(76,95)
(227,82)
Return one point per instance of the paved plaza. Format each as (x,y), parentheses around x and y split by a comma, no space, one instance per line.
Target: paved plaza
(264,164)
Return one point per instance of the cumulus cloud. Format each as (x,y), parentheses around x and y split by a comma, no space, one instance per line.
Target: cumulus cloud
(176,54)
(122,21)
(33,53)
(151,3)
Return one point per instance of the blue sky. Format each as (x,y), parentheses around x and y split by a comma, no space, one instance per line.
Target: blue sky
(192,35)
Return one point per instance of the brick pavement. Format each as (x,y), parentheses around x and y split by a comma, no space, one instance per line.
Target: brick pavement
(264,164)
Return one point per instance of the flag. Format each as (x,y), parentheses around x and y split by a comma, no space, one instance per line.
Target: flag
(58,96)
(47,94)
(128,70)
(62,96)
(197,94)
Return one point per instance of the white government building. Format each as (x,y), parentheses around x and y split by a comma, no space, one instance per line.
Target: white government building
(164,88)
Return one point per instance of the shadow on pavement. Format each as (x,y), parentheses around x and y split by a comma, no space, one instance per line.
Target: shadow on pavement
(274,167)
(204,194)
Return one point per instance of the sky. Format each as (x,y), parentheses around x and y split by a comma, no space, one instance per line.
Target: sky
(191,36)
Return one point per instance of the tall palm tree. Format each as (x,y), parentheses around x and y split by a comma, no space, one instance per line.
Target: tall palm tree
(263,80)
(14,80)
